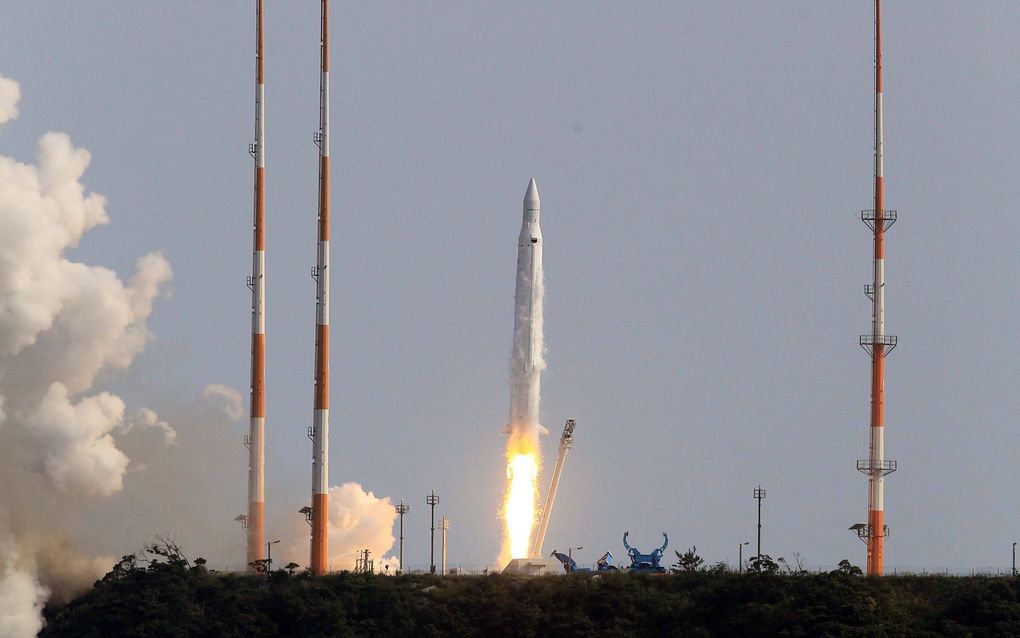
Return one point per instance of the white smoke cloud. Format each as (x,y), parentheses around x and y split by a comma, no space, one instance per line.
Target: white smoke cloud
(78,450)
(22,596)
(63,322)
(10,93)
(357,520)
(147,419)
(226,398)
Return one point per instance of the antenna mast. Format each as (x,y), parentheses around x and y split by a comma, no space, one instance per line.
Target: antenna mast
(877,344)
(320,428)
(257,284)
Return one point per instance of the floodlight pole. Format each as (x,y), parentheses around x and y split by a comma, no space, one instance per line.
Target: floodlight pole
(760,495)
(401,510)
(431,500)
(269,556)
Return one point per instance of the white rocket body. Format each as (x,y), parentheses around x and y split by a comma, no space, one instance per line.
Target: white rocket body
(527,360)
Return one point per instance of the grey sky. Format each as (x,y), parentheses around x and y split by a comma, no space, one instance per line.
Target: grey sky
(702,167)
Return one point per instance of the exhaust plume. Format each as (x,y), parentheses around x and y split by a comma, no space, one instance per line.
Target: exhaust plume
(22,596)
(358,519)
(62,324)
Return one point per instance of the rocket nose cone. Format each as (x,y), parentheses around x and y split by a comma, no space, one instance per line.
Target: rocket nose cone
(531,197)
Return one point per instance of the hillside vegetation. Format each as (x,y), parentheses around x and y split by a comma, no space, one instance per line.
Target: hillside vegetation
(178,599)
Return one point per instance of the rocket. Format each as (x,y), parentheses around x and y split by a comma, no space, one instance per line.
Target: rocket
(527,360)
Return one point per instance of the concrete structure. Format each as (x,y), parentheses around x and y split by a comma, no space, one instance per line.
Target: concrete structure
(319,432)
(539,566)
(444,524)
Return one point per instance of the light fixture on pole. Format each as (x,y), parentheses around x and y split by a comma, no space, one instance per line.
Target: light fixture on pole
(759,494)
(432,500)
(269,556)
(401,510)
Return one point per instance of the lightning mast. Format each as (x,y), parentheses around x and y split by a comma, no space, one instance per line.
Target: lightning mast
(257,284)
(319,432)
(877,344)
(566,440)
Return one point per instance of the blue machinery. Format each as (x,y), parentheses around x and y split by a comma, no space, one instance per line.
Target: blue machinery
(646,562)
(638,562)
(604,564)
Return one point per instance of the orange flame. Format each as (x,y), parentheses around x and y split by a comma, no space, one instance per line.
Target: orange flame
(520,508)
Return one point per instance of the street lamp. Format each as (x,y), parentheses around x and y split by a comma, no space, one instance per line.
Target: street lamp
(570,551)
(740,554)
(269,556)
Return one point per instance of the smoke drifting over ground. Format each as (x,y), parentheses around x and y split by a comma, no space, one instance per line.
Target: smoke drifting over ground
(79,462)
(357,520)
(62,323)
(21,594)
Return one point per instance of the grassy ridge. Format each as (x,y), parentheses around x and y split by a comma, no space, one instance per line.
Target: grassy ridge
(173,600)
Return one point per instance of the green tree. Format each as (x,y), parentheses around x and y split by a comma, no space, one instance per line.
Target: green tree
(762,565)
(689,561)
(846,568)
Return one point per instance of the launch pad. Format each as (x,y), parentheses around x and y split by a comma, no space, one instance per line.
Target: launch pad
(533,567)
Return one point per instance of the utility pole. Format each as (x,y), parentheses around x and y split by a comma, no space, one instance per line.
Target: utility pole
(432,500)
(401,510)
(759,494)
(1014,559)
(444,524)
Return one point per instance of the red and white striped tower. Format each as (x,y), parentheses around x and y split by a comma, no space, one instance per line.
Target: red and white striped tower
(878,344)
(257,283)
(320,427)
